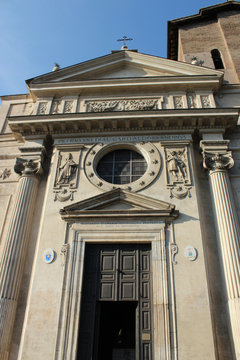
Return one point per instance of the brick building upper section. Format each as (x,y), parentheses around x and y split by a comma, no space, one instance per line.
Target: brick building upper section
(210,38)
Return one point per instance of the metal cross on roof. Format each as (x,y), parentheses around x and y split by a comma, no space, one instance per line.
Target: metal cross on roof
(124,39)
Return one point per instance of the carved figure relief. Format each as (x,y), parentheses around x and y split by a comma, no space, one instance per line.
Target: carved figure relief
(177,165)
(67,170)
(102,106)
(177,171)
(125,105)
(67,174)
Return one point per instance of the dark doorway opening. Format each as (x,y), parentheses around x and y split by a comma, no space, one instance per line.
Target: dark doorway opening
(116,332)
(116,303)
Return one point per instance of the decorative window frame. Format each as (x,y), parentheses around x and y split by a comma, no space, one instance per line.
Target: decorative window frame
(147,150)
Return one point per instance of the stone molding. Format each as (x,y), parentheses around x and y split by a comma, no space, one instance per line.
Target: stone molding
(141,208)
(147,150)
(66,345)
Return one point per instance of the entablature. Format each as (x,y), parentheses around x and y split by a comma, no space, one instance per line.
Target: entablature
(124,121)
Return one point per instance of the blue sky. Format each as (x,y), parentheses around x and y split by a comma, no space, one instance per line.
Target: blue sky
(35,34)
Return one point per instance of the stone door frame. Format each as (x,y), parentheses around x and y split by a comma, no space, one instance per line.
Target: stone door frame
(126,232)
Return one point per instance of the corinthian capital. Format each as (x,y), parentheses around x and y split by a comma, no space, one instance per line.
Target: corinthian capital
(28,167)
(217,161)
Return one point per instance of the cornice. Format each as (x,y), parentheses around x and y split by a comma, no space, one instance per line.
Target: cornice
(185,82)
(93,208)
(125,121)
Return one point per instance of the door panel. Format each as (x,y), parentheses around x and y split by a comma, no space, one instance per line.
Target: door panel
(116,274)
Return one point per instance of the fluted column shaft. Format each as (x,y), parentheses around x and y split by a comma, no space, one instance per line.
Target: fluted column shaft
(228,232)
(12,263)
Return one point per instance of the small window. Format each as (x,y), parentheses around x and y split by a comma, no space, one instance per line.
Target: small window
(121,166)
(217,60)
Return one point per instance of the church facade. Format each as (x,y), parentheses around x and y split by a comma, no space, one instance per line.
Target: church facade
(120,203)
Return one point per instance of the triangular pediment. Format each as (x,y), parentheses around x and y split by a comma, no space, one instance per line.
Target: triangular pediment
(121,203)
(123,64)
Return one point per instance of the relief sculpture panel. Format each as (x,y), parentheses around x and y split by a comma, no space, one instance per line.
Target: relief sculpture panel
(124,105)
(66,175)
(178,176)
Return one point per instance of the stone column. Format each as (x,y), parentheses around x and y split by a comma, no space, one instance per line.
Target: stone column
(12,262)
(218,160)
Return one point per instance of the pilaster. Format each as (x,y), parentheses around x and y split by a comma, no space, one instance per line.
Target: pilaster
(217,159)
(12,263)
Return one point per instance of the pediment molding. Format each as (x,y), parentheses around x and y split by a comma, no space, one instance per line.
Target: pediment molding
(110,205)
(115,66)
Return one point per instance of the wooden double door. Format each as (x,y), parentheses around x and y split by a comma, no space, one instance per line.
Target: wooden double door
(116,303)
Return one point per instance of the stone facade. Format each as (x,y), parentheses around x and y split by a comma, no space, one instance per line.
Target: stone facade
(175,190)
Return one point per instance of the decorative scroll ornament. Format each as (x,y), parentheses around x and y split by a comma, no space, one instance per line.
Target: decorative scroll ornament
(217,161)
(64,253)
(174,251)
(28,167)
(177,171)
